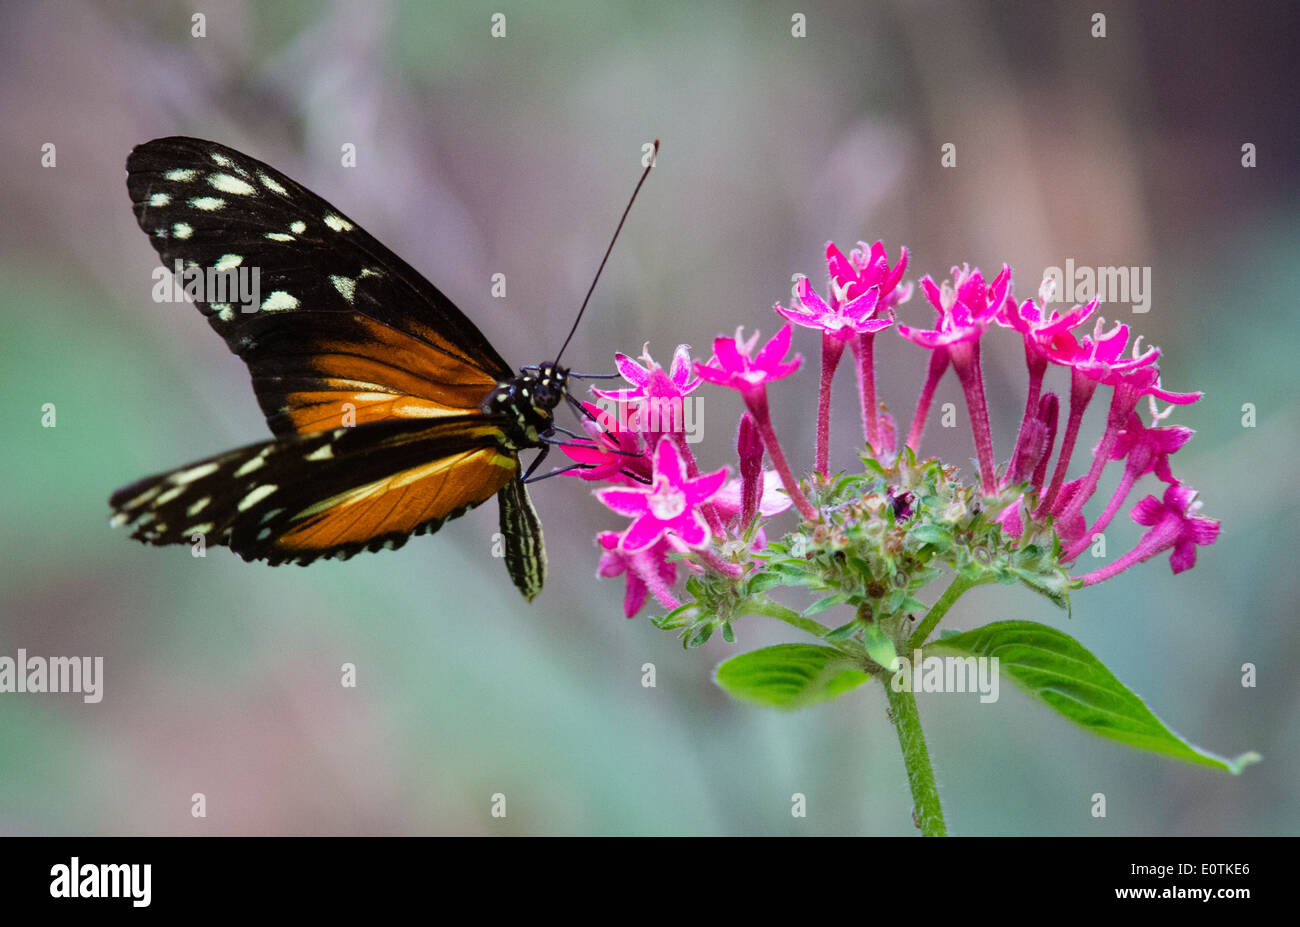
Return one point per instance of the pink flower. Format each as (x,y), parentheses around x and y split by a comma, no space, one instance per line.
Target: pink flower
(965,308)
(1146,450)
(866,268)
(647,570)
(1100,355)
(839,320)
(1174,524)
(732,364)
(670,504)
(1046,336)
(840,323)
(616,454)
(650,380)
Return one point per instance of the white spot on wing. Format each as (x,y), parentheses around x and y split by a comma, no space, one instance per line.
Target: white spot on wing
(182,230)
(159,199)
(225,312)
(198,506)
(227,184)
(279,236)
(198,529)
(180,174)
(346,286)
(207,203)
(251,465)
(142,498)
(228,261)
(271,184)
(325,452)
(181,477)
(169,495)
(337,223)
(298,226)
(256,495)
(279,300)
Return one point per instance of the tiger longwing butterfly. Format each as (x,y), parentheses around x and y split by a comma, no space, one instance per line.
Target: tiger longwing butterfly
(391,412)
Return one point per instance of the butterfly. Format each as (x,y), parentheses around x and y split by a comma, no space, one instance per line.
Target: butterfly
(391,412)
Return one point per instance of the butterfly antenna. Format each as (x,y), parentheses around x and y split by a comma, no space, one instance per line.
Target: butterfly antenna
(644,174)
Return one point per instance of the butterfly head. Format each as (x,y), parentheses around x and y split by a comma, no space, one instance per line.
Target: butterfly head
(529,401)
(552,383)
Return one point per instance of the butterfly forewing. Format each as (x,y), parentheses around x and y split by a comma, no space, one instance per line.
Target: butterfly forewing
(332,493)
(342,330)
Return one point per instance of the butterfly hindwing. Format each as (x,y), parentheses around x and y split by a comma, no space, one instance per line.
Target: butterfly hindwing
(341,326)
(329,494)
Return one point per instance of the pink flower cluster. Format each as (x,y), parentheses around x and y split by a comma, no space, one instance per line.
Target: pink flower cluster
(674,508)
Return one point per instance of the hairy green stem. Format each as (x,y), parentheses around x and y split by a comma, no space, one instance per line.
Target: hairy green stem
(926,809)
(940,608)
(762,605)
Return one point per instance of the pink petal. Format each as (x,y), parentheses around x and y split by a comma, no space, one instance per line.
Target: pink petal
(775,349)
(669,464)
(634,598)
(633,372)
(813,304)
(681,366)
(1148,512)
(642,533)
(728,356)
(932,293)
(1204,531)
(703,488)
(631,503)
(1184,556)
(691,529)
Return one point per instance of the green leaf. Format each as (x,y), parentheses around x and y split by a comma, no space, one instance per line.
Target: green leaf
(764,581)
(843,632)
(941,538)
(789,676)
(822,604)
(700,638)
(880,647)
(1056,669)
(679,617)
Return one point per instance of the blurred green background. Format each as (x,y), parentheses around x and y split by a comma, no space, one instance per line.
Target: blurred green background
(479,155)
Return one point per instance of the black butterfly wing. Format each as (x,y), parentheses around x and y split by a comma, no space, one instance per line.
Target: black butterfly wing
(342,330)
(332,493)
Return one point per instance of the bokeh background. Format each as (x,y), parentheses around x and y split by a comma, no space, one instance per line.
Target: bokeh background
(479,155)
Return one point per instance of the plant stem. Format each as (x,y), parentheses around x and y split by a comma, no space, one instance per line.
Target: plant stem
(832,348)
(916,757)
(940,608)
(938,364)
(757,405)
(864,354)
(762,605)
